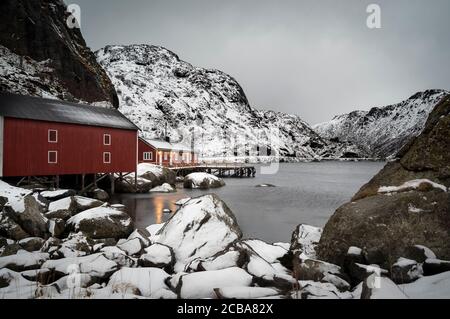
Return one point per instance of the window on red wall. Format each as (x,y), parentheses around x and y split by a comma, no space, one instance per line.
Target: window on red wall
(106,139)
(52,136)
(107,157)
(147,156)
(52,157)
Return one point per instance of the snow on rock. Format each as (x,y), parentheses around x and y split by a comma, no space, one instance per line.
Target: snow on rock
(164,188)
(382,132)
(95,265)
(131,246)
(31,243)
(202,284)
(429,287)
(201,228)
(142,234)
(118,256)
(269,252)
(406,270)
(157,255)
(63,208)
(24,260)
(154,229)
(376,287)
(15,196)
(305,239)
(433,266)
(411,185)
(75,245)
(84,203)
(14,286)
(102,222)
(226,259)
(245,292)
(202,181)
(308,289)
(147,281)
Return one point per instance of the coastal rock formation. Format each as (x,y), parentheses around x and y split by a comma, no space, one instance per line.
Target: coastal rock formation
(407,203)
(200,228)
(202,181)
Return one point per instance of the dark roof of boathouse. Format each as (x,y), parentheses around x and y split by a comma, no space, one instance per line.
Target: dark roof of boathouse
(42,109)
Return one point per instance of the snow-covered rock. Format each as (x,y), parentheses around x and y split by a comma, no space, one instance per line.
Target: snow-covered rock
(54,195)
(202,284)
(14,286)
(382,132)
(245,292)
(157,255)
(31,243)
(75,245)
(305,239)
(24,209)
(23,260)
(63,208)
(132,246)
(102,222)
(308,289)
(182,201)
(433,266)
(420,253)
(142,281)
(411,185)
(142,234)
(159,92)
(164,188)
(95,265)
(202,181)
(376,287)
(429,287)
(405,271)
(118,256)
(225,259)
(201,228)
(269,252)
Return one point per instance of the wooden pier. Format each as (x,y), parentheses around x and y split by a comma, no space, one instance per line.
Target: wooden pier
(220,170)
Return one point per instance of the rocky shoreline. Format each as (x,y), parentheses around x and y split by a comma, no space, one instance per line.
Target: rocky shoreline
(390,241)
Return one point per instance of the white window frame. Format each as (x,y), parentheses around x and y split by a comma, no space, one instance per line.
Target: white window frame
(148,156)
(104,158)
(104,139)
(56,157)
(48,136)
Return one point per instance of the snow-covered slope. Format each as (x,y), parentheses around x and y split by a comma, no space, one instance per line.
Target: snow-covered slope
(382,132)
(164,95)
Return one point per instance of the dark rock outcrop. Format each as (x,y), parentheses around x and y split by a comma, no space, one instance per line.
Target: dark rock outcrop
(388,223)
(38,30)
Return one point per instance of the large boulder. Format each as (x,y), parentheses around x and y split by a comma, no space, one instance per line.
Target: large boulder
(10,229)
(200,228)
(202,181)
(407,203)
(102,222)
(148,177)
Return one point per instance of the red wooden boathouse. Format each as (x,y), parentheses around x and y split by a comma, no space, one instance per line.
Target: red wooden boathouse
(43,137)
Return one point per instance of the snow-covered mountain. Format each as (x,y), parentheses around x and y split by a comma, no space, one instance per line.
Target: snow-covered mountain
(383,131)
(166,96)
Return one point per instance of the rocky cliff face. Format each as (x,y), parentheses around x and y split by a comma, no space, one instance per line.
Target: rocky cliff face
(405,204)
(166,96)
(383,131)
(42,56)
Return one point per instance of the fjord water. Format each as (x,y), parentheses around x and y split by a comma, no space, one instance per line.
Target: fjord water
(306,193)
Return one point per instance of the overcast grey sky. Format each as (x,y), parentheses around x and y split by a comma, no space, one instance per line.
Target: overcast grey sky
(314,58)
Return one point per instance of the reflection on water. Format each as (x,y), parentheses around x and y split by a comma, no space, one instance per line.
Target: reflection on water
(305,193)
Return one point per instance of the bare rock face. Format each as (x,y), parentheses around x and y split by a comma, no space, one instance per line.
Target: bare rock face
(406,204)
(36,31)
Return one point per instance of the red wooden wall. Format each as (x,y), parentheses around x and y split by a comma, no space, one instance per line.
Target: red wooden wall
(144,147)
(80,149)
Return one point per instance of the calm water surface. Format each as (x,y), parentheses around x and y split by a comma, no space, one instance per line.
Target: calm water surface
(305,193)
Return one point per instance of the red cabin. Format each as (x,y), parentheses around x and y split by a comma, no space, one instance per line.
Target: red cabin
(42,137)
(165,153)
